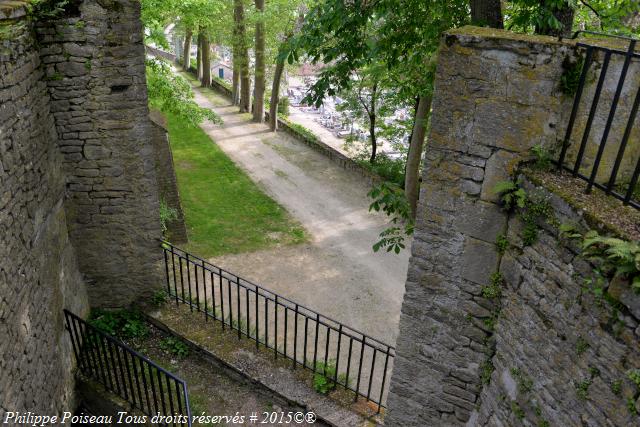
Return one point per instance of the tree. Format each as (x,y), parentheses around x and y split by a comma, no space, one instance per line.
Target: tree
(486,13)
(414,156)
(259,88)
(275,89)
(241,55)
(186,54)
(199,54)
(206,61)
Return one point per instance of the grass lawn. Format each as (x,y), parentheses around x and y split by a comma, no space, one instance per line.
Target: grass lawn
(224,210)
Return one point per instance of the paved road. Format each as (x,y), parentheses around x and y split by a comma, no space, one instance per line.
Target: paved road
(336,273)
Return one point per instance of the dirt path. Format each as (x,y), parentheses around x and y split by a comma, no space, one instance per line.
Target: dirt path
(337,273)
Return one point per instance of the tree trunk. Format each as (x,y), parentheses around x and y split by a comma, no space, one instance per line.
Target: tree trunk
(199,55)
(412,172)
(235,88)
(371,111)
(258,106)
(186,55)
(372,136)
(486,13)
(243,56)
(206,61)
(275,95)
(563,14)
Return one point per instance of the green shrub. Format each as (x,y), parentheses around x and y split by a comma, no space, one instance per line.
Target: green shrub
(323,381)
(283,106)
(120,323)
(167,214)
(174,346)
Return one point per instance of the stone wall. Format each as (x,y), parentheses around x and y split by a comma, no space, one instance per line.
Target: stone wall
(166,176)
(563,346)
(39,275)
(496,95)
(94,65)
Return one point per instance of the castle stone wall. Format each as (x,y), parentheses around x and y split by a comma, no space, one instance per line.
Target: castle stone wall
(39,275)
(95,73)
(496,96)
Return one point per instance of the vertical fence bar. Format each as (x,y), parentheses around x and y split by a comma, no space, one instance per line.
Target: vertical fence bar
(246,298)
(346,379)
(189,283)
(230,304)
(195,276)
(623,143)
(221,297)
(275,330)
(238,312)
(576,106)
(360,366)
(286,335)
(384,377)
(173,269)
(326,351)
(306,325)
(295,336)
(335,377)
(181,277)
(612,113)
(266,321)
(213,294)
(632,183)
(169,395)
(315,345)
(204,290)
(592,113)
(166,269)
(373,367)
(257,320)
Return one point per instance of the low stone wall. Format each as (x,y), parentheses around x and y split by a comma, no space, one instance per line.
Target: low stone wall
(545,352)
(39,275)
(167,182)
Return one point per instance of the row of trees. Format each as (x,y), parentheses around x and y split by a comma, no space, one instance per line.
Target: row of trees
(379,55)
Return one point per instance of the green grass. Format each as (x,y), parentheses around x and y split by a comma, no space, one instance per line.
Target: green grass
(224,210)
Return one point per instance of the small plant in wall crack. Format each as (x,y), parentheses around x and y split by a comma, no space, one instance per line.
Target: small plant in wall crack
(494,288)
(617,258)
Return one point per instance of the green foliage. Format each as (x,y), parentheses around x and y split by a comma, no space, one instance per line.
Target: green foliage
(323,381)
(511,194)
(174,346)
(631,406)
(392,201)
(494,289)
(517,411)
(634,376)
(123,324)
(502,243)
(525,384)
(616,387)
(570,78)
(159,298)
(167,214)
(582,388)
(615,256)
(47,9)
(283,106)
(171,93)
(543,157)
(486,369)
(581,346)
(389,168)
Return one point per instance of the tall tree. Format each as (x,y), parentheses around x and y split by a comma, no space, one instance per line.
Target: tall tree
(199,54)
(242,57)
(414,156)
(206,61)
(487,13)
(186,54)
(258,106)
(275,89)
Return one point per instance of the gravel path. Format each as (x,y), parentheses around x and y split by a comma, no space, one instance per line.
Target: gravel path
(336,273)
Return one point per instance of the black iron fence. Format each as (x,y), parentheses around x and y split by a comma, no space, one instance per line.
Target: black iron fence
(606,175)
(339,354)
(130,375)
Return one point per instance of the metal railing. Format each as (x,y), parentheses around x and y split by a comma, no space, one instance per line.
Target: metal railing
(340,354)
(610,183)
(128,374)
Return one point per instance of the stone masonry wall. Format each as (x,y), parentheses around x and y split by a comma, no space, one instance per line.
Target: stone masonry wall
(563,347)
(496,95)
(95,73)
(39,274)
